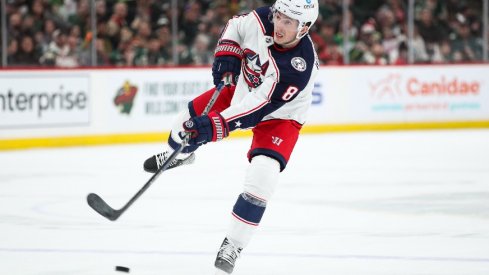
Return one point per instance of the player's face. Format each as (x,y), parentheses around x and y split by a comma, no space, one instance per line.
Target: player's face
(285,29)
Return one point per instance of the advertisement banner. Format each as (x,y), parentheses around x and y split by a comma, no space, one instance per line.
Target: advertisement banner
(40,100)
(143,102)
(421,94)
(149,100)
(401,94)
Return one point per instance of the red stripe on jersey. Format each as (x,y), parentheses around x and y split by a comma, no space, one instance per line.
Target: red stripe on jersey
(274,65)
(271,90)
(243,220)
(224,30)
(280,49)
(259,21)
(256,108)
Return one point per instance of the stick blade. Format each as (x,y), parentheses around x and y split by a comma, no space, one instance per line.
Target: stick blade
(99,205)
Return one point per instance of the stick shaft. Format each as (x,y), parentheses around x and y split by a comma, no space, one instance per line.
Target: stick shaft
(170,159)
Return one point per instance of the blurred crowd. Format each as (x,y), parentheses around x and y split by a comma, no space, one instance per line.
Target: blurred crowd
(139,33)
(445,31)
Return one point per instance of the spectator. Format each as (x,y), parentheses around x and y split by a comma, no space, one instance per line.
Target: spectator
(143,31)
(376,55)
(155,55)
(140,53)
(447,31)
(222,12)
(398,9)
(214,31)
(419,48)
(327,43)
(201,55)
(164,37)
(45,36)
(184,54)
(367,37)
(402,57)
(103,58)
(116,22)
(466,45)
(128,56)
(190,22)
(67,9)
(428,29)
(37,13)
(12,51)
(446,53)
(333,55)
(80,18)
(330,10)
(101,11)
(391,43)
(126,40)
(385,19)
(364,10)
(27,55)
(68,56)
(15,26)
(28,25)
(55,48)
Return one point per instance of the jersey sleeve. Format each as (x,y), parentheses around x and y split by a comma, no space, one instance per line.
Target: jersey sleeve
(235,29)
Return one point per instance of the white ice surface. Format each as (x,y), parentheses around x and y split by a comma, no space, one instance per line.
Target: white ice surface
(385,203)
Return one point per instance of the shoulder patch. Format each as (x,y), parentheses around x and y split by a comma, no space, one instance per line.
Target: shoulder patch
(299,63)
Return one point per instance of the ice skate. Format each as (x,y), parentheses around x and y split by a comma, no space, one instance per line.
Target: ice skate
(226,257)
(153,163)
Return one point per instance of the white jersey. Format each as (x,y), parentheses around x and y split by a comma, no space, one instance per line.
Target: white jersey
(275,83)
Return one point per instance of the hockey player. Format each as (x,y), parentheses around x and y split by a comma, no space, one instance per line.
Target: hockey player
(271,58)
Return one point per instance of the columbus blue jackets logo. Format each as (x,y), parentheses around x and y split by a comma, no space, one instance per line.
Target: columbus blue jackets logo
(253,68)
(124,98)
(299,64)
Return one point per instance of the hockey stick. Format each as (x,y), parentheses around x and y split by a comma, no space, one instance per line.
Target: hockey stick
(99,205)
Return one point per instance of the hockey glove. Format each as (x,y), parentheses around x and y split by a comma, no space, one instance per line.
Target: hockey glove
(202,129)
(227,61)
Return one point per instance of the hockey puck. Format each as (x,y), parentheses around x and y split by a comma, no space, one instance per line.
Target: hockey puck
(122,269)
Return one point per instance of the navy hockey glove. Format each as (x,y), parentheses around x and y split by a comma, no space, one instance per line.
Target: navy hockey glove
(202,129)
(227,61)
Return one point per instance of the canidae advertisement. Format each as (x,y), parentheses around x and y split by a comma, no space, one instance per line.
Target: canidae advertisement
(423,94)
(402,94)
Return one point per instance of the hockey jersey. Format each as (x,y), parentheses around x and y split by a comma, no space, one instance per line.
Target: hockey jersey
(275,82)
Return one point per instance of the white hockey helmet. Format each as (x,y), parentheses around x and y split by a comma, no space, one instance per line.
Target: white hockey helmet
(304,11)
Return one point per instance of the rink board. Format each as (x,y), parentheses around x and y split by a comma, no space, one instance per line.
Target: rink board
(44,108)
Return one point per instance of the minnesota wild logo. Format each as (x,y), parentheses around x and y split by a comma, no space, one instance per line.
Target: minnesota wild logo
(124,98)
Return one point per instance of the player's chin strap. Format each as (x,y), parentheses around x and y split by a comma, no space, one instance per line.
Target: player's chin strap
(99,205)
